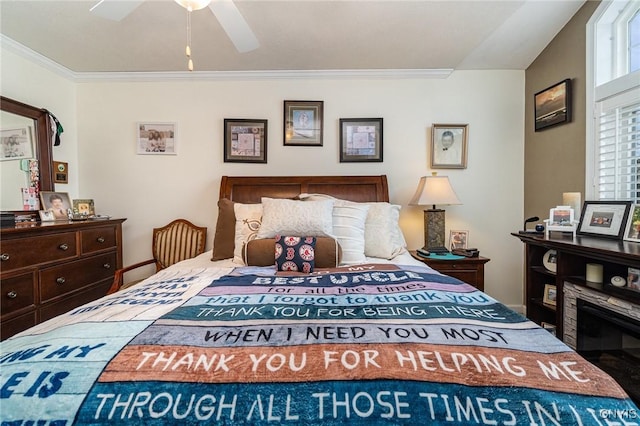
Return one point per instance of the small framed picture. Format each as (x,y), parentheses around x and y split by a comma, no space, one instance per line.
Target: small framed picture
(84,207)
(245,140)
(360,139)
(606,219)
(632,232)
(633,279)
(561,216)
(16,144)
(46,215)
(157,139)
(458,239)
(303,123)
(553,105)
(549,297)
(58,203)
(449,146)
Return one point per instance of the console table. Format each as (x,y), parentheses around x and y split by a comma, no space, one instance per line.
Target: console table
(572,257)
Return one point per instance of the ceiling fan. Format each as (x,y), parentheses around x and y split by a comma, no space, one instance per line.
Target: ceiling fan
(225,11)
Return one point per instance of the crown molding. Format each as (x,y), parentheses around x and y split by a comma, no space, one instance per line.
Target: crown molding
(35,57)
(88,77)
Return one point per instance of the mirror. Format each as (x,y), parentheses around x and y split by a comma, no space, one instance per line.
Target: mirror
(25,134)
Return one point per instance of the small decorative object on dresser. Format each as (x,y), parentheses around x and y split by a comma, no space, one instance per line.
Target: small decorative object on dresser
(449,146)
(605,219)
(360,140)
(245,140)
(57,202)
(561,219)
(84,207)
(303,123)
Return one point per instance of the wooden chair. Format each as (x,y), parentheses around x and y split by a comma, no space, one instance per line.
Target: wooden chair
(172,243)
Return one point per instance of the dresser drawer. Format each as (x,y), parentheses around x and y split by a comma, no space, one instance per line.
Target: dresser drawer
(60,280)
(98,239)
(32,251)
(16,325)
(69,303)
(17,293)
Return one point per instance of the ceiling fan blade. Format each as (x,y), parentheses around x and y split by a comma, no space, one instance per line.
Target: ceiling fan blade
(234,25)
(116,10)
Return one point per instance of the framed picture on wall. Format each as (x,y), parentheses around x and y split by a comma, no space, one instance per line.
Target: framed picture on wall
(303,123)
(245,140)
(553,105)
(360,139)
(157,139)
(449,146)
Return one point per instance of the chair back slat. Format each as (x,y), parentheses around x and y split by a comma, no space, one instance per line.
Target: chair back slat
(177,241)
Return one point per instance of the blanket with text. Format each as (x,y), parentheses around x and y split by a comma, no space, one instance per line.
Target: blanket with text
(372,344)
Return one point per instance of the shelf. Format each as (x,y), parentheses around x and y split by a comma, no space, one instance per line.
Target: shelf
(539,302)
(543,270)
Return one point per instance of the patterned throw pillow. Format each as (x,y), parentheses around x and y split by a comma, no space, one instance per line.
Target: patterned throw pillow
(295,253)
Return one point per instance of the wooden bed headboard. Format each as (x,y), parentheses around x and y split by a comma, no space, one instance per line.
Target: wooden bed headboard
(250,189)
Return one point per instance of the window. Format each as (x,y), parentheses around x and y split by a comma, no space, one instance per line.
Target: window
(613,91)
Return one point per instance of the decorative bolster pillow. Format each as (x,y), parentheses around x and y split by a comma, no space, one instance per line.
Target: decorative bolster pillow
(261,252)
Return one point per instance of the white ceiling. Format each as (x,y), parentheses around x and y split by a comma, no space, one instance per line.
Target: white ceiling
(293,35)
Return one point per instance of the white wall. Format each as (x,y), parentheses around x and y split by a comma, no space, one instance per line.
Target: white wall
(152,190)
(99,143)
(26,81)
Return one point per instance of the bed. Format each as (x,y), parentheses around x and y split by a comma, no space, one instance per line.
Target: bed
(364,340)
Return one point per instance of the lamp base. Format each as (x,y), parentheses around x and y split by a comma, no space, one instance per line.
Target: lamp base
(434,230)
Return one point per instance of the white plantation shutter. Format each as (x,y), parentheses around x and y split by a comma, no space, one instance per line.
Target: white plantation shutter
(617,153)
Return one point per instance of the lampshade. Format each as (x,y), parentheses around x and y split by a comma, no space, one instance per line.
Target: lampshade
(193,4)
(434,190)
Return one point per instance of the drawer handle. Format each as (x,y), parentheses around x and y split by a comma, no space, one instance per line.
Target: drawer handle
(4,256)
(107,266)
(100,240)
(12,295)
(64,247)
(60,280)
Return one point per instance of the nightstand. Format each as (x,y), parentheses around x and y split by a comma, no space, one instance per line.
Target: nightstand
(468,269)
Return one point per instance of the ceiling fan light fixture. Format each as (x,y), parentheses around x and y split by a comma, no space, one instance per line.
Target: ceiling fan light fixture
(193,4)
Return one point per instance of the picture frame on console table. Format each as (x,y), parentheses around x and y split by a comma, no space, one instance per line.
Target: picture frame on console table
(605,219)
(360,140)
(245,140)
(632,232)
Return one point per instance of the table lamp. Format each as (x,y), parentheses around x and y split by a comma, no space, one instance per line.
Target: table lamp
(434,190)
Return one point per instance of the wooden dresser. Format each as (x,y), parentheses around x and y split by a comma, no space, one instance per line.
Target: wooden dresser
(48,269)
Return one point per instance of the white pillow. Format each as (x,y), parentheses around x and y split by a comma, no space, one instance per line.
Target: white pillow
(248,218)
(292,217)
(349,228)
(383,236)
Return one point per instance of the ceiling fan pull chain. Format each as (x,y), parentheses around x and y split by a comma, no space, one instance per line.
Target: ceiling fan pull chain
(188,49)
